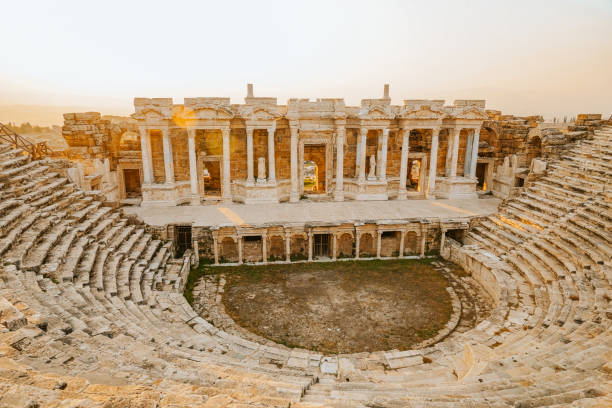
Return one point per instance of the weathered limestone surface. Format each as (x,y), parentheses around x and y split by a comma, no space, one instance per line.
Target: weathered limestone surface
(91,310)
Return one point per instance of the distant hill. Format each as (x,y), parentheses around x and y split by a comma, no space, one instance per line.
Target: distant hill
(43,115)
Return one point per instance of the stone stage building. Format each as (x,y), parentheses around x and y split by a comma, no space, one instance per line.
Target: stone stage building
(260,151)
(208,149)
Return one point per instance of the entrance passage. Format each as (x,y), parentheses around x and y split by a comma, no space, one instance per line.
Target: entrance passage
(413,181)
(211,174)
(311,177)
(481,170)
(321,245)
(182,239)
(314,169)
(131,179)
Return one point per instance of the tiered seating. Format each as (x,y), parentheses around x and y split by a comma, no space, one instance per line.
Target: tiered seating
(89,314)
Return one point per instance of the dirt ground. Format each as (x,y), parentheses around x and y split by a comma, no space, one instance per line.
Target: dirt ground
(341,307)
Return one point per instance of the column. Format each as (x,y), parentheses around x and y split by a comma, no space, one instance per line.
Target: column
(357,238)
(227,191)
(449,152)
(453,169)
(288,246)
(216,247)
(145,148)
(378,243)
(271,160)
(401,193)
(474,156)
(402,239)
(250,173)
(433,163)
(334,246)
(339,191)
(294,195)
(310,245)
(383,157)
(239,248)
(264,246)
(468,155)
(423,240)
(362,154)
(193,167)
(168,160)
(442,239)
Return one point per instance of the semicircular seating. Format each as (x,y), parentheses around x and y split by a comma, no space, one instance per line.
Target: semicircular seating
(90,314)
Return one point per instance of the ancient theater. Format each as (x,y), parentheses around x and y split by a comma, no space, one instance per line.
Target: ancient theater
(307,253)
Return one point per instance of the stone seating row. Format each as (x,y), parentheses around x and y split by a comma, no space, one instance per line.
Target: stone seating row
(544,343)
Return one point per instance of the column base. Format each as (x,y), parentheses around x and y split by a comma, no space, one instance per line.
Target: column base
(195,200)
(402,195)
(339,196)
(294,197)
(456,187)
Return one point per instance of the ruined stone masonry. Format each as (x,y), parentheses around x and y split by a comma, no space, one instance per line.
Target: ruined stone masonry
(91,306)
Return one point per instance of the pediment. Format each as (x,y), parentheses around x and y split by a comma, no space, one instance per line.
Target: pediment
(472,113)
(212,112)
(151,113)
(376,112)
(422,112)
(263,114)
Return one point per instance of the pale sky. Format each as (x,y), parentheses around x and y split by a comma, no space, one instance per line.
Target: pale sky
(523,57)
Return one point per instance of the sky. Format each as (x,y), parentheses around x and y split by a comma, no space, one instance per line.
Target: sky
(524,57)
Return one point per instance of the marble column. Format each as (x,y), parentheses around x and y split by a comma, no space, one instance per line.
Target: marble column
(334,246)
(474,156)
(442,239)
(294,195)
(168,159)
(401,192)
(271,159)
(288,246)
(468,155)
(227,191)
(250,173)
(455,153)
(362,154)
(193,166)
(401,246)
(216,248)
(310,245)
(449,152)
(433,163)
(339,191)
(423,241)
(145,148)
(264,247)
(357,239)
(239,249)
(383,158)
(378,243)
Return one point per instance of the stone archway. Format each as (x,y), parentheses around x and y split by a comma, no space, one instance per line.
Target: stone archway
(411,243)
(346,247)
(228,250)
(276,248)
(367,247)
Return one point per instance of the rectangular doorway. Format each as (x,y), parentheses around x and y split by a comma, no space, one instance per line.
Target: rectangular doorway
(182,239)
(314,177)
(321,246)
(211,174)
(131,180)
(481,171)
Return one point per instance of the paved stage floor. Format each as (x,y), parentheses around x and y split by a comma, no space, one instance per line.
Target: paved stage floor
(305,212)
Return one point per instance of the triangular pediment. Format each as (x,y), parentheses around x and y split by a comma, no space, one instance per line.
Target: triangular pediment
(422,112)
(472,113)
(212,112)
